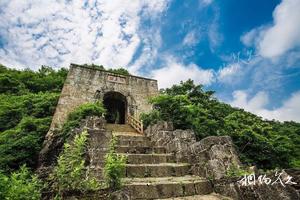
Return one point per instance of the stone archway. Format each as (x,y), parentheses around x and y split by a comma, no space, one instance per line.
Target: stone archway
(116,106)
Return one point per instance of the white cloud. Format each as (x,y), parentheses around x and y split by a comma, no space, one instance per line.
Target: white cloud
(290,109)
(249,38)
(175,71)
(284,35)
(280,37)
(229,73)
(151,41)
(205,2)
(59,32)
(215,37)
(191,38)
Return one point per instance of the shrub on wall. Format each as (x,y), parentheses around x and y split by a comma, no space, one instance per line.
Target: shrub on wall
(80,113)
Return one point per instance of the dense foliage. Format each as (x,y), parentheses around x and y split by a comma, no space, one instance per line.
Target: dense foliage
(267,144)
(114,168)
(27,103)
(70,172)
(80,113)
(20,185)
(28,100)
(46,79)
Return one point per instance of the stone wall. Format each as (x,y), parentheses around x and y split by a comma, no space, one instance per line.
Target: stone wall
(231,188)
(98,140)
(97,147)
(84,84)
(211,157)
(176,141)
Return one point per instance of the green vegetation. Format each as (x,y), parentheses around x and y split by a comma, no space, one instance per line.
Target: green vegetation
(114,168)
(235,171)
(27,103)
(13,108)
(17,82)
(22,144)
(80,113)
(70,172)
(20,185)
(120,70)
(266,144)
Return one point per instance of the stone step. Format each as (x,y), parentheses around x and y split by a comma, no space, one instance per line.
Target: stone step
(157,170)
(149,158)
(212,196)
(96,172)
(119,128)
(99,162)
(131,137)
(140,150)
(167,187)
(127,133)
(134,143)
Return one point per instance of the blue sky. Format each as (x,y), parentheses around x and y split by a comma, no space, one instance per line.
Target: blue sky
(247,51)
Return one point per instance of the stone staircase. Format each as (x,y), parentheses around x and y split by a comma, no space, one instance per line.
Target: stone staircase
(152,173)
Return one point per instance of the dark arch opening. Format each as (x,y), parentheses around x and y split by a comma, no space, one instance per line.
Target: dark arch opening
(116,106)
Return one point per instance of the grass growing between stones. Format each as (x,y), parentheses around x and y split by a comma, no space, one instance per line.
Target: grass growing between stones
(235,171)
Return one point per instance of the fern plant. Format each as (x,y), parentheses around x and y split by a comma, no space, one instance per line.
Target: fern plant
(114,169)
(70,172)
(21,184)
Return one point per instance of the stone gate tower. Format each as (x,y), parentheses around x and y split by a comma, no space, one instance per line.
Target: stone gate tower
(126,95)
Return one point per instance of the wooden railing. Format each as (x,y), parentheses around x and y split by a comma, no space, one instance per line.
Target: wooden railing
(135,123)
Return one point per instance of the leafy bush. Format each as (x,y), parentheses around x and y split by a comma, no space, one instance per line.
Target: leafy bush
(22,144)
(121,71)
(81,112)
(20,185)
(99,67)
(10,85)
(188,106)
(150,118)
(27,103)
(4,181)
(70,173)
(14,108)
(114,168)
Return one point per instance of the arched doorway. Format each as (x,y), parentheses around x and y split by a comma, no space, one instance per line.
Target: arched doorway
(116,107)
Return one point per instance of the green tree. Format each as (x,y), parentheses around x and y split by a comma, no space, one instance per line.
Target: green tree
(188,106)
(22,144)
(27,103)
